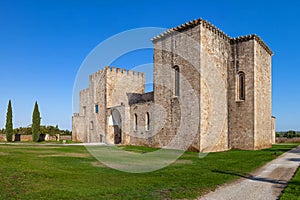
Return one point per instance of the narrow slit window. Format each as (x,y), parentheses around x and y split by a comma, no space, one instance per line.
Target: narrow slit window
(177,80)
(135,122)
(241,86)
(96,108)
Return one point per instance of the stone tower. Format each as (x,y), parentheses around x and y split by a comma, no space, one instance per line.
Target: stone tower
(107,89)
(231,77)
(250,114)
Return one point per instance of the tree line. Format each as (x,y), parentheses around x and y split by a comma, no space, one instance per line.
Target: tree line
(51,130)
(288,134)
(35,129)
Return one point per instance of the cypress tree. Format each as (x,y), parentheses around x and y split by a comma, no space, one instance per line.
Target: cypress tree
(9,123)
(36,123)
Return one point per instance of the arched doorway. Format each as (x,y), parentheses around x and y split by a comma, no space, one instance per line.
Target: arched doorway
(117,125)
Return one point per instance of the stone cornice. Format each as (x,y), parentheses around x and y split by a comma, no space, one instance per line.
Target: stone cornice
(251,37)
(189,25)
(212,28)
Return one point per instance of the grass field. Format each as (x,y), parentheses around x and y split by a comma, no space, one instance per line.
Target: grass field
(292,191)
(70,172)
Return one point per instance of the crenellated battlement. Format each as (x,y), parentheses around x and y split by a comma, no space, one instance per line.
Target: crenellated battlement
(124,72)
(84,91)
(97,73)
(116,71)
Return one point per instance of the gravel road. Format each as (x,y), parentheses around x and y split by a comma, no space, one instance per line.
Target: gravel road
(266,183)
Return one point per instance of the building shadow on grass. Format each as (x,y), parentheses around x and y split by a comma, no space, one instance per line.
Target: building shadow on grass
(251,177)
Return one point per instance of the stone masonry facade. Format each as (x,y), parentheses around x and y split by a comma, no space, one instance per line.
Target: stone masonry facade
(211,93)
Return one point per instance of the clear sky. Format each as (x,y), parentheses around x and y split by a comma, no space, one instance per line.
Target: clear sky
(44,42)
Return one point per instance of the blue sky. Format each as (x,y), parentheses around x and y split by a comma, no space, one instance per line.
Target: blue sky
(44,42)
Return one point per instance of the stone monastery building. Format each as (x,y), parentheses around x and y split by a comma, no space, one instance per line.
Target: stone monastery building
(211,92)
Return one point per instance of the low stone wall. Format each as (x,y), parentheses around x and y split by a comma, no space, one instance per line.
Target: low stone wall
(23,137)
(287,140)
(65,137)
(2,137)
(26,138)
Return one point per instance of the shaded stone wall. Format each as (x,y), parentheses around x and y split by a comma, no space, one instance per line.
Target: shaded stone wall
(241,112)
(162,88)
(134,98)
(177,50)
(262,97)
(140,135)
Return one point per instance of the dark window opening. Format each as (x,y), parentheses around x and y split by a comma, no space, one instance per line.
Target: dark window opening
(84,110)
(96,108)
(135,122)
(241,86)
(177,80)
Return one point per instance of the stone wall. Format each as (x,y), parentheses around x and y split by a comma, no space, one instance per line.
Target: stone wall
(119,84)
(79,132)
(23,138)
(79,124)
(273,133)
(215,61)
(140,133)
(262,97)
(181,50)
(241,112)
(98,82)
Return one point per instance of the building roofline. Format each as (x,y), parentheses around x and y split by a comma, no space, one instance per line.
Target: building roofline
(188,25)
(252,37)
(214,29)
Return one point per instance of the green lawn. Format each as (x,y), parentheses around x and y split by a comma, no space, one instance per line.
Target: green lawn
(70,172)
(292,191)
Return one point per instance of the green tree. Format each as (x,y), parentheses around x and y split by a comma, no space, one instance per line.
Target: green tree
(36,123)
(290,134)
(9,123)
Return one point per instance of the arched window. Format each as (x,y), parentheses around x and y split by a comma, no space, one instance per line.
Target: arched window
(135,122)
(177,80)
(147,121)
(241,86)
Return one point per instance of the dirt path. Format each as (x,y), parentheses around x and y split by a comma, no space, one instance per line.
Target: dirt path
(266,183)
